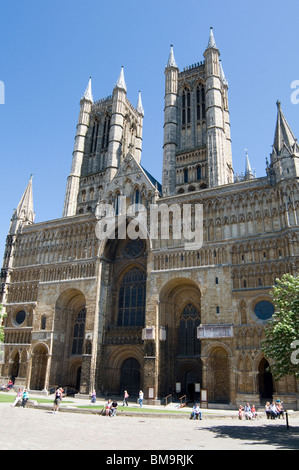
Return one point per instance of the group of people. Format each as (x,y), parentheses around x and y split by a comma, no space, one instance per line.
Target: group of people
(247,412)
(274,410)
(21,397)
(110,408)
(8,386)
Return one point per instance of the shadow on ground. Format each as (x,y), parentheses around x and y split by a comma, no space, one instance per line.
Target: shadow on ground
(277,436)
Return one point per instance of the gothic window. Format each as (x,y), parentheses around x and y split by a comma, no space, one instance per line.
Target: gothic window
(20,317)
(43,323)
(200,102)
(94,138)
(105,138)
(186,175)
(131,300)
(79,329)
(186,103)
(189,345)
(264,310)
(198,171)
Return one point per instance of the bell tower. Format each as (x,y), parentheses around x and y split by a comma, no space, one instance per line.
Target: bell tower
(197,143)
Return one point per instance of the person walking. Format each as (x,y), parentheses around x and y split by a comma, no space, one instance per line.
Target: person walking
(93,397)
(141,396)
(126,396)
(57,399)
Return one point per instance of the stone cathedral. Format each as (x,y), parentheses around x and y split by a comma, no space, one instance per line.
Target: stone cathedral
(110,313)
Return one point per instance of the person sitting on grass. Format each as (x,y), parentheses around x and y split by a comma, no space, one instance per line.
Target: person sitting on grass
(273,411)
(196,413)
(18,398)
(113,408)
(25,398)
(247,411)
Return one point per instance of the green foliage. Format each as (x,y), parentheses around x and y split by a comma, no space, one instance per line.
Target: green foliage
(283,329)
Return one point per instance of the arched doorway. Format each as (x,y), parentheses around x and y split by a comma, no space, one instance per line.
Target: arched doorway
(68,343)
(180,353)
(15,366)
(39,368)
(265,380)
(218,376)
(130,377)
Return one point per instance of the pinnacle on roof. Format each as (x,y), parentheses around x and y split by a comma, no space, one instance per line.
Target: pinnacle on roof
(283,134)
(25,210)
(171,60)
(88,93)
(139,106)
(212,43)
(121,81)
(248,170)
(222,76)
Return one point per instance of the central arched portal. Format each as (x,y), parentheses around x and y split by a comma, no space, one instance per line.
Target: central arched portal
(180,354)
(130,377)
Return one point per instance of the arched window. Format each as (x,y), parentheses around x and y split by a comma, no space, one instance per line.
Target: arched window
(198,171)
(131,300)
(79,329)
(43,323)
(200,102)
(186,175)
(94,138)
(186,103)
(105,138)
(189,345)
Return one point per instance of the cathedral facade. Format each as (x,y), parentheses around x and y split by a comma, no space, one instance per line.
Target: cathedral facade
(116,295)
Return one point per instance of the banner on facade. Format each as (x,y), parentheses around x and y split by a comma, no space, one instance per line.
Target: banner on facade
(214,331)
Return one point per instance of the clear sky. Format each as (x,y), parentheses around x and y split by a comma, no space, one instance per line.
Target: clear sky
(49,49)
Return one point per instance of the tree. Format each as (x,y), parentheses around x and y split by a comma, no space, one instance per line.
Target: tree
(282,334)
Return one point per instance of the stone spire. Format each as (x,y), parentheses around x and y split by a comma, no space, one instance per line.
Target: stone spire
(88,93)
(139,106)
(283,134)
(171,60)
(121,81)
(248,170)
(222,76)
(24,213)
(212,43)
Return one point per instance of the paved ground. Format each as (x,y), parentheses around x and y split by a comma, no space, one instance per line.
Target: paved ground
(39,429)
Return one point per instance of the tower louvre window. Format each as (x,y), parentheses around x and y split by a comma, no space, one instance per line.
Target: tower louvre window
(200,102)
(105,138)
(94,139)
(186,106)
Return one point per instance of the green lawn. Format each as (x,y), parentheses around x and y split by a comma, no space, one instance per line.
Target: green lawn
(10,398)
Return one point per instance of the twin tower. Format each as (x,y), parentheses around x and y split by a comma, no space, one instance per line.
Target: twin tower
(197,143)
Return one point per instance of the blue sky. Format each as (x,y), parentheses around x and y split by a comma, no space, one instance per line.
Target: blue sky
(48,50)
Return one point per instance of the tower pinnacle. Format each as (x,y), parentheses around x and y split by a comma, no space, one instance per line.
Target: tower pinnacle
(88,93)
(121,80)
(171,60)
(212,43)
